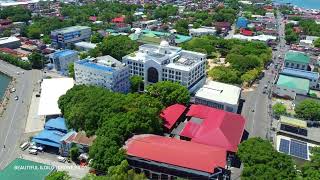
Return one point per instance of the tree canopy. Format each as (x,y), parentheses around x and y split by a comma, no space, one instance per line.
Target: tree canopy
(308,109)
(113,117)
(15,13)
(36,59)
(279,109)
(58,175)
(136,83)
(117,46)
(261,161)
(169,93)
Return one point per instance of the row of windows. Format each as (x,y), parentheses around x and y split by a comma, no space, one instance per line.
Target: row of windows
(135,64)
(297,65)
(171,71)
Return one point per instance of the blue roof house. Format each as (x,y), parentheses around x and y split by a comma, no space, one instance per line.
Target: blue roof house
(58,124)
(242,22)
(49,138)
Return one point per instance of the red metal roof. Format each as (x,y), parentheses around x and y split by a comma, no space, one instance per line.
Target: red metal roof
(177,152)
(118,20)
(218,128)
(171,114)
(246,32)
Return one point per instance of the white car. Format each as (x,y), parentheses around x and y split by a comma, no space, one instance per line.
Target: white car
(24,146)
(16,98)
(62,159)
(33,151)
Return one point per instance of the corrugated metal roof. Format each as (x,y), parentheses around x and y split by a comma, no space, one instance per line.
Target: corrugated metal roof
(171,114)
(298,57)
(301,73)
(49,138)
(293,83)
(219,128)
(58,123)
(176,152)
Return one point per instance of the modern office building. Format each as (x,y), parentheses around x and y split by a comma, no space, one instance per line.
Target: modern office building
(162,62)
(62,59)
(64,37)
(104,71)
(296,60)
(219,95)
(202,31)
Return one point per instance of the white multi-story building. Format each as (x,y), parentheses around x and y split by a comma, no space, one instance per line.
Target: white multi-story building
(167,63)
(62,38)
(202,31)
(219,95)
(104,71)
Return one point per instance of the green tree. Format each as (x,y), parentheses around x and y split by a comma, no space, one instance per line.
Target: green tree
(117,46)
(74,153)
(261,161)
(169,93)
(96,38)
(36,60)
(71,70)
(58,175)
(6,33)
(308,109)
(316,43)
(181,27)
(279,109)
(225,75)
(311,169)
(46,39)
(136,83)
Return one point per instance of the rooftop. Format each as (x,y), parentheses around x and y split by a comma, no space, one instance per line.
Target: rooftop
(51,90)
(155,37)
(58,123)
(170,56)
(85,45)
(219,92)
(5,40)
(293,122)
(171,114)
(214,127)
(298,57)
(63,53)
(103,63)
(38,171)
(300,73)
(70,29)
(293,82)
(176,152)
(49,137)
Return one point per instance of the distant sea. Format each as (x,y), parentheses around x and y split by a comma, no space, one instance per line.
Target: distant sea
(4,82)
(306,4)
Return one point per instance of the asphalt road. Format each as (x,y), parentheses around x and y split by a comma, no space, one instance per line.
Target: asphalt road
(13,121)
(257,106)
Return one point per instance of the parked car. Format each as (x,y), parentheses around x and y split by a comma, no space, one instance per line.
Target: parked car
(12,90)
(33,151)
(16,98)
(24,146)
(62,159)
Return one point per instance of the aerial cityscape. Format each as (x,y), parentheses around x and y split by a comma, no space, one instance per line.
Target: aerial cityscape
(159,89)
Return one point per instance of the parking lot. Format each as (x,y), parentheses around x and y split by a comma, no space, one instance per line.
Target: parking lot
(74,170)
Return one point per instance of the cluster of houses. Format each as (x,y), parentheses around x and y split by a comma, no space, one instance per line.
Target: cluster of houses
(257,28)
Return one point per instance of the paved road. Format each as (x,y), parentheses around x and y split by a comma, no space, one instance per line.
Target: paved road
(256,108)
(12,123)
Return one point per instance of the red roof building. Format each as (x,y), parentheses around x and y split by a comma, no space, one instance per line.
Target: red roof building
(118,20)
(246,32)
(214,127)
(93,18)
(185,158)
(171,115)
